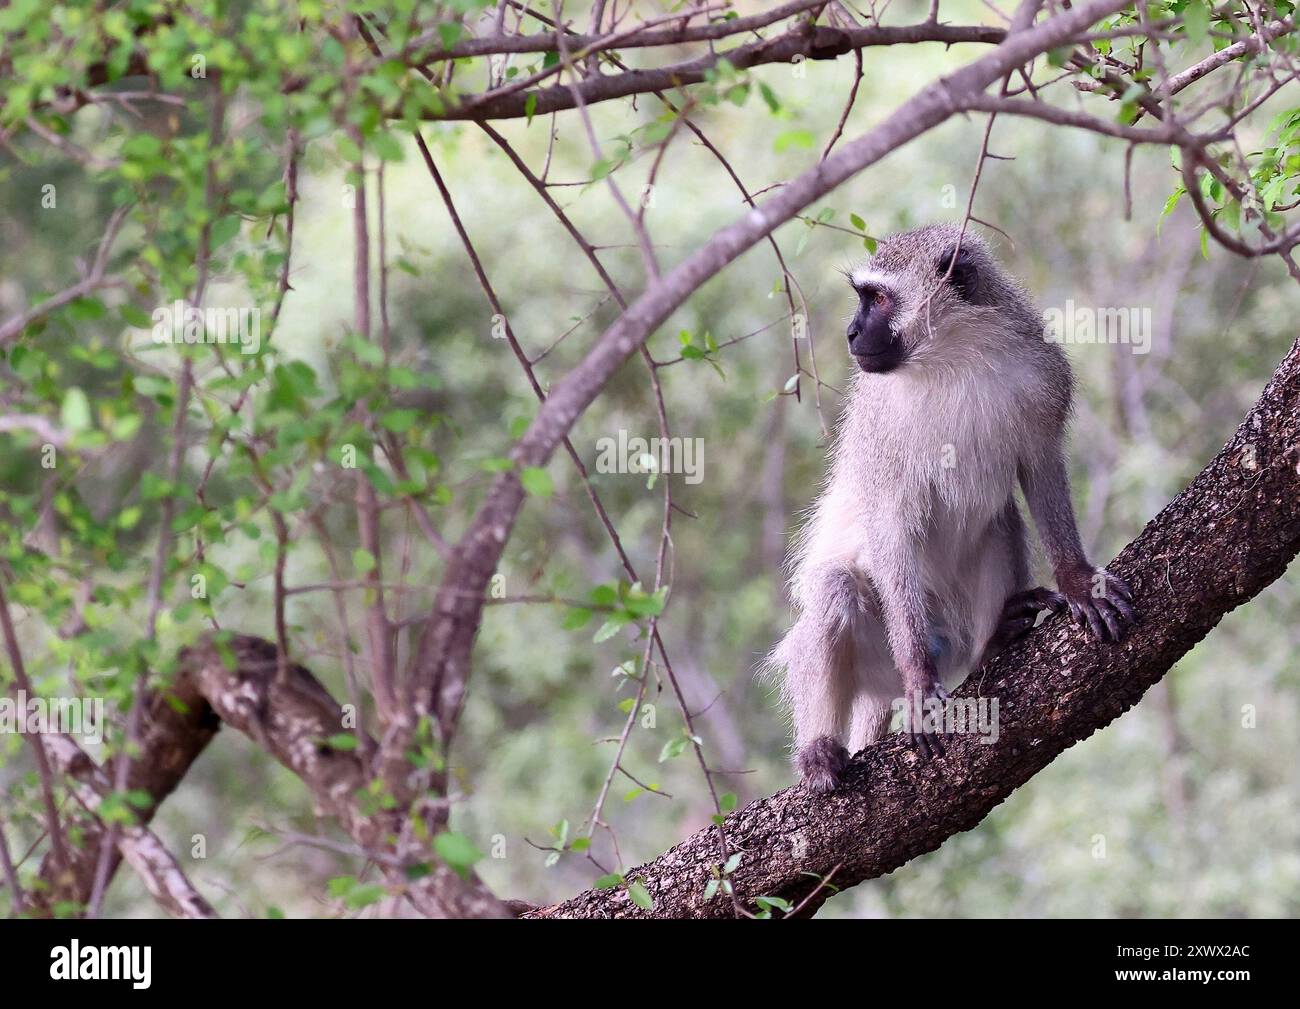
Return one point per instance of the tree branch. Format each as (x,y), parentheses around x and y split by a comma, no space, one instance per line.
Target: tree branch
(141,847)
(817,43)
(295,719)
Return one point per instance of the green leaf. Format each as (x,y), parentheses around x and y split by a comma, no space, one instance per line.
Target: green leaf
(86,309)
(137,318)
(793,138)
(223,231)
(640,895)
(1196,20)
(536,481)
(363,895)
(347,149)
(604,595)
(387,147)
(449,32)
(125,428)
(400,421)
(75,412)
(609,628)
(458,851)
(576,618)
(363,561)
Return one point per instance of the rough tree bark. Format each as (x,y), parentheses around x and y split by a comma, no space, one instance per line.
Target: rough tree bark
(1225,538)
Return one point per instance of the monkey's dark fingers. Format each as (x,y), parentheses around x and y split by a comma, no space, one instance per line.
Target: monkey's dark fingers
(1021,610)
(1111,617)
(1052,601)
(1034,601)
(1122,604)
(927,744)
(1094,621)
(1120,586)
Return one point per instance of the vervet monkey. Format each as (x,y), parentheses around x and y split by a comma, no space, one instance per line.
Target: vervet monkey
(913,566)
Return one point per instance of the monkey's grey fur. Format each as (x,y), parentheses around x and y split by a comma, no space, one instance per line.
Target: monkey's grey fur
(913,565)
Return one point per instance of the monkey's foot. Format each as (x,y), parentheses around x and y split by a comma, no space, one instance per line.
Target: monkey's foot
(1020,613)
(919,718)
(1100,601)
(821,764)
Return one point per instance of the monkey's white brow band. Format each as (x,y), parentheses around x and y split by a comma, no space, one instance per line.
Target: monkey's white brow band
(866,277)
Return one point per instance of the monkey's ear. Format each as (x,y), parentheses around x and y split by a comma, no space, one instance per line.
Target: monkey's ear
(964,278)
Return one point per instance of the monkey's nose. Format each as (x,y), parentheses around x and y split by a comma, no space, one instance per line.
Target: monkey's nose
(853,331)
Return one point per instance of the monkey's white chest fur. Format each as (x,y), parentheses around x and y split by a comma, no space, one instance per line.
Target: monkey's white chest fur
(924,470)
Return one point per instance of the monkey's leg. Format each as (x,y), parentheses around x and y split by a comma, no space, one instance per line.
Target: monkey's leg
(1009,554)
(868,721)
(818,656)
(907,623)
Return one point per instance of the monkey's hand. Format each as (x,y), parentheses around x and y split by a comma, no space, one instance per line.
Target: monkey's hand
(1020,613)
(1098,600)
(924,697)
(821,764)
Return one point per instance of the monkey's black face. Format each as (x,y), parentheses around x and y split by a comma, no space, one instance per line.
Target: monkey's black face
(871,342)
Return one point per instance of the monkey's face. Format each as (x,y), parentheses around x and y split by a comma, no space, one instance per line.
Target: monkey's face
(908,294)
(872,341)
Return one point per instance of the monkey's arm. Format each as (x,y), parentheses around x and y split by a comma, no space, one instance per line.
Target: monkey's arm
(1095,596)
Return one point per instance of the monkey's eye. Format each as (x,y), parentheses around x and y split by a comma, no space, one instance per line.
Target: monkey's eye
(881,299)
